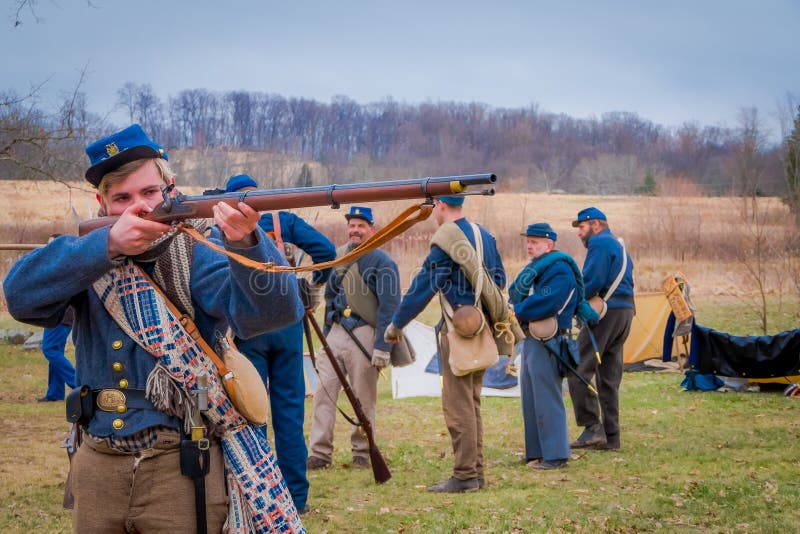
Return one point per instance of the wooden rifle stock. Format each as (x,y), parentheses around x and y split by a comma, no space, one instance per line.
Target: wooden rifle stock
(380,471)
(182,207)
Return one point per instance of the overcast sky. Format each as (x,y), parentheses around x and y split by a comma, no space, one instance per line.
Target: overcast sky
(670,61)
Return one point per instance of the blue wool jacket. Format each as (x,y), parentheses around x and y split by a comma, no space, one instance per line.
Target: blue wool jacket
(550,292)
(380,273)
(440,273)
(43,283)
(296,231)
(602,265)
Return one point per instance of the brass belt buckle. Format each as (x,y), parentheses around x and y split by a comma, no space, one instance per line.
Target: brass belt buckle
(109,399)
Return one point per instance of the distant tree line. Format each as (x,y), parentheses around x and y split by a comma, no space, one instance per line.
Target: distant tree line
(535,150)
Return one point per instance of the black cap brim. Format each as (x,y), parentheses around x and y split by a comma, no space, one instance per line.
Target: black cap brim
(95,173)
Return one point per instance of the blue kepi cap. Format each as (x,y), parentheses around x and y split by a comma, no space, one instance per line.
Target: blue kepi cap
(452,200)
(541,229)
(239,181)
(587,215)
(110,153)
(360,212)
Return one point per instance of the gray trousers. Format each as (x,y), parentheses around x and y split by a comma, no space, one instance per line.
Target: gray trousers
(543,409)
(610,334)
(363,379)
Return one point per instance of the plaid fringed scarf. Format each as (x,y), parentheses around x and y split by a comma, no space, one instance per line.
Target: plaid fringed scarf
(260,500)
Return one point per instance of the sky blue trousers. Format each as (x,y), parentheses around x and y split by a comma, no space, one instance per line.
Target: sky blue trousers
(543,409)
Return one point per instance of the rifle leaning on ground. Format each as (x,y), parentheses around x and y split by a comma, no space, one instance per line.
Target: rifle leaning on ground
(181,207)
(380,470)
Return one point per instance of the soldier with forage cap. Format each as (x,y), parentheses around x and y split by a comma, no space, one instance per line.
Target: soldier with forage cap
(461,395)
(547,288)
(607,274)
(360,298)
(278,355)
(136,362)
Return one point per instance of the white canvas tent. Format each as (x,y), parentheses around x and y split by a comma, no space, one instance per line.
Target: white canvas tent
(645,341)
(413,381)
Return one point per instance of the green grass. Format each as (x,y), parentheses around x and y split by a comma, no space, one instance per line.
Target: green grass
(713,461)
(718,462)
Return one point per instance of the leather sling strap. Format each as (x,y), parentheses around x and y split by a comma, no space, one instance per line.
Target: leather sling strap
(276,231)
(400,224)
(191,329)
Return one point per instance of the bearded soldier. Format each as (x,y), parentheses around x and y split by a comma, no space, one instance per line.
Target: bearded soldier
(608,280)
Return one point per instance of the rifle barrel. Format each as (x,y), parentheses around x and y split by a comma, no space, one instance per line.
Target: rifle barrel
(19,246)
(183,207)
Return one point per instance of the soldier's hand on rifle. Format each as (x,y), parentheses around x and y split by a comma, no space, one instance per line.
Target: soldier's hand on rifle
(393,334)
(380,358)
(131,235)
(238,224)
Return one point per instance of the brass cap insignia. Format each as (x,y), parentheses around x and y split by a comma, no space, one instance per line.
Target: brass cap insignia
(112,149)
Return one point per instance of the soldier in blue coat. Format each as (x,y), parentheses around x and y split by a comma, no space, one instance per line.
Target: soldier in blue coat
(278,355)
(608,278)
(128,435)
(440,273)
(360,298)
(545,289)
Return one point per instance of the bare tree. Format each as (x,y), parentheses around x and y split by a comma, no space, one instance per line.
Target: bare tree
(748,161)
(30,7)
(39,145)
(791,165)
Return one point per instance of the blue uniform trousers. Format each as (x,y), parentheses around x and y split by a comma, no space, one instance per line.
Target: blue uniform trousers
(59,370)
(278,356)
(543,409)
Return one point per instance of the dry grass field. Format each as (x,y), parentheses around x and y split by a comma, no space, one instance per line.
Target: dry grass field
(703,237)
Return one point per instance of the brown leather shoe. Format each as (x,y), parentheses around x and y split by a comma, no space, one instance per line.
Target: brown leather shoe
(315,462)
(455,485)
(360,462)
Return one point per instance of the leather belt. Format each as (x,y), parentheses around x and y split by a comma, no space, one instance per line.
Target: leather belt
(120,400)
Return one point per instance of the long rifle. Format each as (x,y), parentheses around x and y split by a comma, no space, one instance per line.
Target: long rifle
(379,468)
(20,246)
(564,360)
(180,207)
